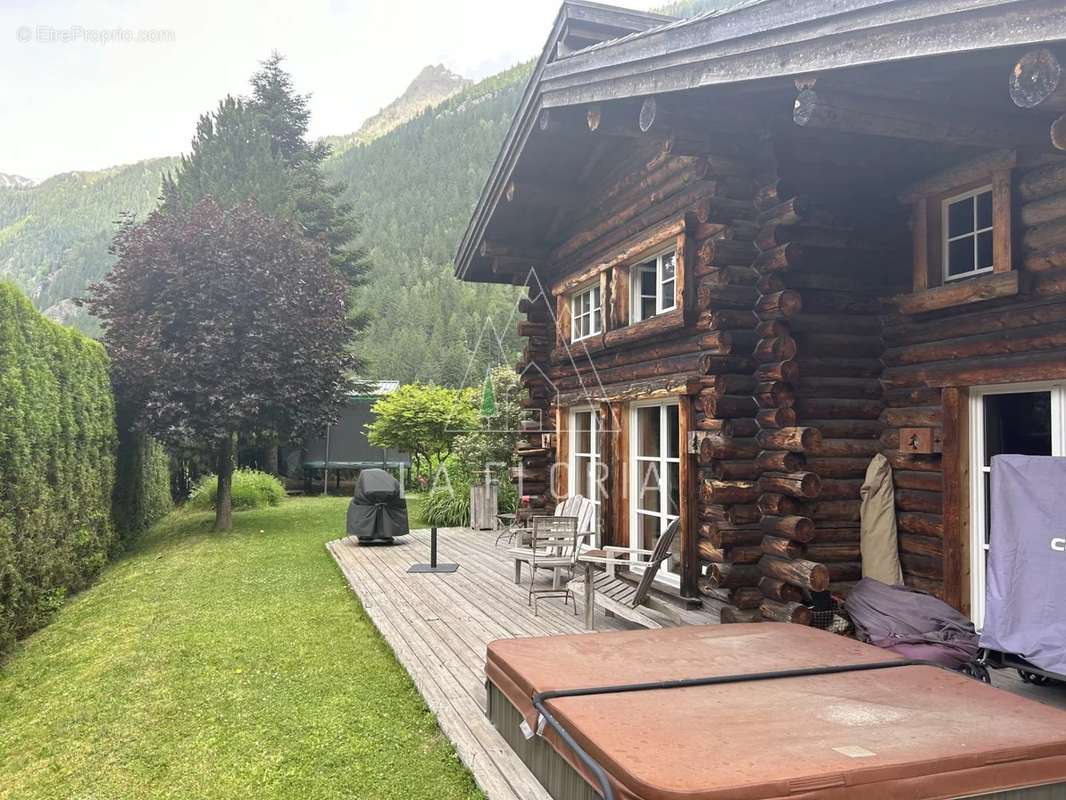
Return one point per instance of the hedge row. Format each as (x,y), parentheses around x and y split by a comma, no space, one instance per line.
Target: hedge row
(57,467)
(142,483)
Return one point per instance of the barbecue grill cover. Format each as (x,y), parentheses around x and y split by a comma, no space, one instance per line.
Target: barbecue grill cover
(377,511)
(1025,596)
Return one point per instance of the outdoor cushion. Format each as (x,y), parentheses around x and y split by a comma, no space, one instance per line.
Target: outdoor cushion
(880,556)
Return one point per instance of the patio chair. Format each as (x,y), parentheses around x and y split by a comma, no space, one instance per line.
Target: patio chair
(578,506)
(512,526)
(626,599)
(553,544)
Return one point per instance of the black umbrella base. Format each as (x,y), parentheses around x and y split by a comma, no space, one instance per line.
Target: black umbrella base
(433,568)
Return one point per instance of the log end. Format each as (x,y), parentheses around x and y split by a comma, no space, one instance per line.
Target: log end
(1058,133)
(594,116)
(804,109)
(647,114)
(1035,77)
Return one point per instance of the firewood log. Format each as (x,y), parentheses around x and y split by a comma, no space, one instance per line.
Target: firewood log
(777,589)
(796,528)
(785,612)
(799,572)
(780,547)
(730,576)
(798,484)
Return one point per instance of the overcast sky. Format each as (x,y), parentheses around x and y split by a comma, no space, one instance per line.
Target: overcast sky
(71,100)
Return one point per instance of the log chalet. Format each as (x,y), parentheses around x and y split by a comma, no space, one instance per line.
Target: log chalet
(765,244)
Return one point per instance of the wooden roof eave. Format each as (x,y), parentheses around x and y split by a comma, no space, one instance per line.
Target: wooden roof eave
(525,116)
(782,38)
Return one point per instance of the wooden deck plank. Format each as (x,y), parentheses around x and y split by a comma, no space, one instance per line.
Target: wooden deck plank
(490,766)
(440,625)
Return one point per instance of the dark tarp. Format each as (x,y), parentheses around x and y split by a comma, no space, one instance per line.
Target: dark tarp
(377,511)
(911,623)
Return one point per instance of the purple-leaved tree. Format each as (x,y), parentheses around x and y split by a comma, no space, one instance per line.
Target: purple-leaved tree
(223,323)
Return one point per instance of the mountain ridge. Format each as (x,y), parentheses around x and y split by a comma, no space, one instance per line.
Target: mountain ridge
(11,181)
(434,84)
(413,172)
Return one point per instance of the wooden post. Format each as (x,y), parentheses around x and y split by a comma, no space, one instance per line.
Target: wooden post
(689,491)
(955,466)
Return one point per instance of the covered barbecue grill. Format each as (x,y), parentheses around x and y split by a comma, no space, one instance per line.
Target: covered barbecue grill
(1025,597)
(378,511)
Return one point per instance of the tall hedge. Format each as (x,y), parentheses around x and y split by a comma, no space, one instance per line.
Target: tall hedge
(57,464)
(142,484)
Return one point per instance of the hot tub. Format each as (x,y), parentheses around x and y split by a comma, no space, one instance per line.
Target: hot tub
(895,732)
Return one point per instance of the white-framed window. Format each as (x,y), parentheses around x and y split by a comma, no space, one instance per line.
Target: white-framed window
(967,234)
(655,478)
(586,313)
(653,286)
(1024,419)
(587,473)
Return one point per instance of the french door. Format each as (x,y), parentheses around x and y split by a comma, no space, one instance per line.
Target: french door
(587,473)
(655,474)
(1023,419)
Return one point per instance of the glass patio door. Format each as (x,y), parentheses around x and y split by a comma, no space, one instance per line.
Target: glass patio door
(586,469)
(1023,419)
(655,491)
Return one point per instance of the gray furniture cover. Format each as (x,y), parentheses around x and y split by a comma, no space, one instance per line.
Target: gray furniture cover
(1025,595)
(911,623)
(377,511)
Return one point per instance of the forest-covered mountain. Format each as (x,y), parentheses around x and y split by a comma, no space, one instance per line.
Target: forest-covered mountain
(54,236)
(415,189)
(413,186)
(413,172)
(433,85)
(9,181)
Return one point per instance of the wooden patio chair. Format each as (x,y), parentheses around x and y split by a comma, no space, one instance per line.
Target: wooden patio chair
(553,544)
(578,506)
(627,599)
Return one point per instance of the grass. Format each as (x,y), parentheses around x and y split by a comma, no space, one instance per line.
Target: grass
(235,665)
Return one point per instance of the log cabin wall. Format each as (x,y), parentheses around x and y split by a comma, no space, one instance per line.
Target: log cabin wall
(699,353)
(536,450)
(795,364)
(932,359)
(812,331)
(819,262)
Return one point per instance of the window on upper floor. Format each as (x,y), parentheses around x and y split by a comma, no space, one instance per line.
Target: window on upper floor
(653,288)
(967,234)
(586,313)
(961,224)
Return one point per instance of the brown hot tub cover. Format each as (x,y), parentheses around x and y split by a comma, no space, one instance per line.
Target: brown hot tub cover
(901,734)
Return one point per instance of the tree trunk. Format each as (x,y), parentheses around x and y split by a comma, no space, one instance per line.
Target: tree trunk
(223,499)
(270,458)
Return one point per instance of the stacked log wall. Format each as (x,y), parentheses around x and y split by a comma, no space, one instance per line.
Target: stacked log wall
(724,440)
(819,264)
(797,367)
(535,451)
(702,350)
(931,359)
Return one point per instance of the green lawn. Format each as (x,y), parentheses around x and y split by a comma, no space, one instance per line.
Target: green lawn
(208,665)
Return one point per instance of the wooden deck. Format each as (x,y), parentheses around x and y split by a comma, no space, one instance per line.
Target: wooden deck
(439,625)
